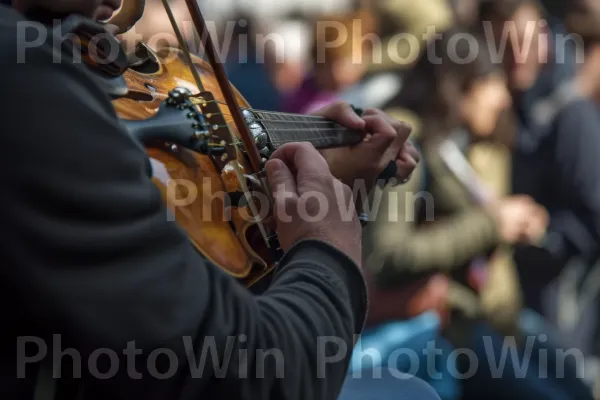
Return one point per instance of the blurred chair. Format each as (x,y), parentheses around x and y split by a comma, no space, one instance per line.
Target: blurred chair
(386,384)
(402,346)
(585,367)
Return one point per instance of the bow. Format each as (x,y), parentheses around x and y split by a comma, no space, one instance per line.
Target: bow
(130,13)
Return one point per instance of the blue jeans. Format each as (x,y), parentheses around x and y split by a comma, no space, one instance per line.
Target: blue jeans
(386,384)
(536,372)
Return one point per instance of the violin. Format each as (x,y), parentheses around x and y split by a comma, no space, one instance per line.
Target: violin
(208,147)
(209,187)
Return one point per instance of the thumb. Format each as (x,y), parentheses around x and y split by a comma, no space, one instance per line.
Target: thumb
(281,179)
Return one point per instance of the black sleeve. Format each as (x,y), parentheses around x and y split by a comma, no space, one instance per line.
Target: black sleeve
(92,258)
(575,226)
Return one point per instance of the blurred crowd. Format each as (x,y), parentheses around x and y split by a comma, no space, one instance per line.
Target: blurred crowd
(496,236)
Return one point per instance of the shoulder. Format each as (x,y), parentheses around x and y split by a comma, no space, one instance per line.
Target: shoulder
(12,26)
(581,113)
(32,47)
(48,94)
(37,67)
(9,18)
(575,135)
(20,38)
(580,107)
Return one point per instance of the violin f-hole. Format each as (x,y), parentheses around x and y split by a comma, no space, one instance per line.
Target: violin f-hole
(139,96)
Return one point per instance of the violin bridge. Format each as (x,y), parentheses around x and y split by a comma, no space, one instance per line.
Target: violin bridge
(221,133)
(198,100)
(221,137)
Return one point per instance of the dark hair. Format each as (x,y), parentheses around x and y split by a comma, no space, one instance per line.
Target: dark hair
(504,10)
(244,24)
(433,88)
(352,44)
(582,18)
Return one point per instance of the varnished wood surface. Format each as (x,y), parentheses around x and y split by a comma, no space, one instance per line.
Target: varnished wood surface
(205,219)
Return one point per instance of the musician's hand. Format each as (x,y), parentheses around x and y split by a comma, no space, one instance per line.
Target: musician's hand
(310,203)
(385,141)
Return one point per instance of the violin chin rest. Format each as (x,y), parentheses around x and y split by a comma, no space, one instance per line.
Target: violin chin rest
(115,87)
(143,60)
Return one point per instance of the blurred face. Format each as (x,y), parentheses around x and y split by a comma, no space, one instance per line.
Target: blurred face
(100,9)
(466,11)
(348,72)
(484,102)
(527,47)
(289,75)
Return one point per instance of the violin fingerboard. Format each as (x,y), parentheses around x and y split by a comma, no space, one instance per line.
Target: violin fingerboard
(323,133)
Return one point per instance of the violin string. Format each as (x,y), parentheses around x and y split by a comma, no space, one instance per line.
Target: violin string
(313,119)
(320,121)
(316,117)
(235,143)
(280,142)
(295,130)
(194,71)
(308,139)
(186,51)
(309,129)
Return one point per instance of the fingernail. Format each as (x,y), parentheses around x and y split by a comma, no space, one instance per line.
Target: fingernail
(406,125)
(274,165)
(356,116)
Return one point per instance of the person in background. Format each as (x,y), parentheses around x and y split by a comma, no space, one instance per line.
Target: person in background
(339,56)
(555,161)
(582,18)
(556,8)
(445,220)
(413,18)
(291,53)
(404,29)
(248,66)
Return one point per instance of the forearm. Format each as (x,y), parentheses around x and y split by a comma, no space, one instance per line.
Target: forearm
(293,342)
(442,246)
(310,316)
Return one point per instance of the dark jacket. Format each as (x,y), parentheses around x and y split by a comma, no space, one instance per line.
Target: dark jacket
(556,162)
(563,174)
(91,266)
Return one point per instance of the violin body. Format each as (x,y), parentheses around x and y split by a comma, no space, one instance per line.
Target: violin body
(195,187)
